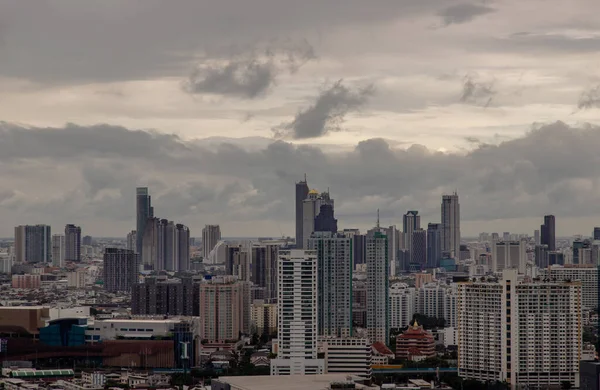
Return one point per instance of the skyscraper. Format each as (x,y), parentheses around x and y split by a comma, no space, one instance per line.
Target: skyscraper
(58,250)
(411,221)
(264,269)
(596,234)
(419,248)
(87,240)
(311,207)
(72,243)
(144,211)
(548,232)
(509,254)
(451,225)
(121,269)
(297,311)
(33,244)
(325,221)
(211,234)
(334,270)
(434,245)
(132,240)
(378,322)
(165,246)
(301,194)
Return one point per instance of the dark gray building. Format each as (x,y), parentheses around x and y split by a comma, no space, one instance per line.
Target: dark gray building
(596,234)
(166,297)
(541,256)
(301,194)
(72,243)
(325,221)
(419,248)
(121,269)
(87,240)
(166,246)
(33,244)
(548,232)
(589,375)
(264,270)
(144,210)
(434,245)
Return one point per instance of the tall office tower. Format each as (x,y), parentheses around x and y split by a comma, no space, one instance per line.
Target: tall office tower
(144,211)
(87,240)
(419,248)
(301,194)
(211,234)
(132,240)
(411,221)
(434,245)
(393,236)
(334,280)
(359,242)
(264,269)
(507,331)
(33,244)
(58,250)
(121,269)
(451,225)
(548,230)
(224,308)
(166,246)
(555,257)
(176,297)
(72,243)
(325,221)
(541,256)
(402,305)
(311,207)
(596,234)
(509,254)
(378,321)
(297,314)
(536,237)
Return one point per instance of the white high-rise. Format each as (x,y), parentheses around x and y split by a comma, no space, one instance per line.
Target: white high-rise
(378,321)
(509,254)
(451,225)
(297,314)
(402,305)
(58,250)
(524,333)
(211,234)
(587,274)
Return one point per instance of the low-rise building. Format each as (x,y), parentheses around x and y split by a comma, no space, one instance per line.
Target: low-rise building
(347,355)
(415,344)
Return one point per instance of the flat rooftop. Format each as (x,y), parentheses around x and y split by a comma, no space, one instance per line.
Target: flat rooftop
(287,382)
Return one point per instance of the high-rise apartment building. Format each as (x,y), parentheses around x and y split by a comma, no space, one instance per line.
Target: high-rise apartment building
(224,309)
(334,280)
(378,321)
(297,314)
(301,195)
(548,232)
(132,240)
(72,243)
(450,225)
(525,333)
(586,274)
(263,317)
(402,305)
(434,245)
(87,240)
(166,246)
(419,248)
(264,269)
(121,269)
(411,221)
(33,244)
(144,211)
(58,250)
(509,254)
(211,234)
(536,237)
(166,297)
(311,207)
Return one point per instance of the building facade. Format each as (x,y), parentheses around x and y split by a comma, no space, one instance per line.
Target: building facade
(434,245)
(548,232)
(72,243)
(121,269)
(301,195)
(166,297)
(509,254)
(378,322)
(144,211)
(33,244)
(350,355)
(450,225)
(402,305)
(211,235)
(58,250)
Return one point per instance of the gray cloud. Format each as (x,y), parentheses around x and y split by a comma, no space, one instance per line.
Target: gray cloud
(477,92)
(463,13)
(326,113)
(589,98)
(251,75)
(88,175)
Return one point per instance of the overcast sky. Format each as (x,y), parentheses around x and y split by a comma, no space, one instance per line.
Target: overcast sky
(220,106)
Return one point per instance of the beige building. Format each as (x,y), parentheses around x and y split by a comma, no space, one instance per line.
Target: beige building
(263,317)
(23,319)
(224,309)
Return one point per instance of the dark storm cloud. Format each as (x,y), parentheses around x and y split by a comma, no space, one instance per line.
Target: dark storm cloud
(250,76)
(477,92)
(463,13)
(326,113)
(589,98)
(518,178)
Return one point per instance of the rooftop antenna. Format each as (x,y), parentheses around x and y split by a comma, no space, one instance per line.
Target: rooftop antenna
(377,218)
(305,177)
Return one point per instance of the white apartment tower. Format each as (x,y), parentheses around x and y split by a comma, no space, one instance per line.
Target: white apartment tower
(211,234)
(524,333)
(451,225)
(509,254)
(402,305)
(587,274)
(297,314)
(334,269)
(378,322)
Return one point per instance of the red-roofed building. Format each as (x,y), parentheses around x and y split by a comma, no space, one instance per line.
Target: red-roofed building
(381,353)
(415,344)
